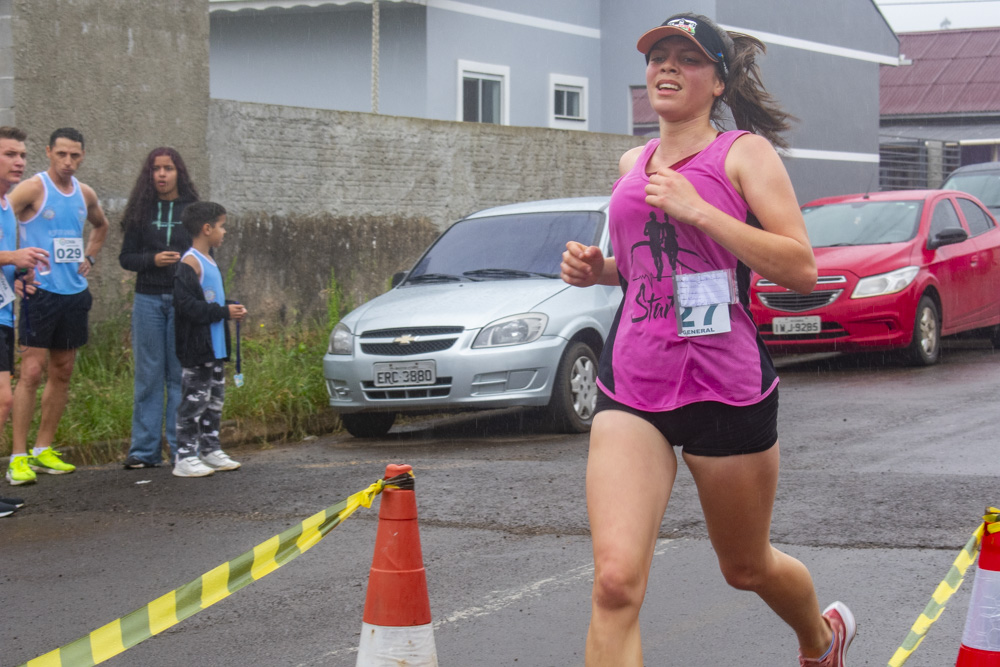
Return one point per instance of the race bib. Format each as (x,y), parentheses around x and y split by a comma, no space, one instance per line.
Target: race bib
(703,320)
(67,250)
(6,293)
(702,301)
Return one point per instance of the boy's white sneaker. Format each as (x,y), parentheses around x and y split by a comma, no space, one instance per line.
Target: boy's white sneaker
(219,460)
(192,467)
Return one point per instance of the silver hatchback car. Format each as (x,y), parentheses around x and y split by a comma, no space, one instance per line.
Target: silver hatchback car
(481,321)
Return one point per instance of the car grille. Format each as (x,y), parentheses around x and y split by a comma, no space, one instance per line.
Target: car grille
(439,389)
(417,331)
(791,302)
(407,342)
(397,349)
(828,330)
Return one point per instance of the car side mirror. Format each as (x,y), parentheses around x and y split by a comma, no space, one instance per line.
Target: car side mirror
(398,277)
(948,236)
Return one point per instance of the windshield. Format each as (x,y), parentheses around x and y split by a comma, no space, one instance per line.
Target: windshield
(862,223)
(984,186)
(506,247)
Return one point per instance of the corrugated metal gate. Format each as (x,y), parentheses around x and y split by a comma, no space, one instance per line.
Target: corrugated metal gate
(916,164)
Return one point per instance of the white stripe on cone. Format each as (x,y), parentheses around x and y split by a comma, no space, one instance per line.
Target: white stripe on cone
(382,646)
(982,625)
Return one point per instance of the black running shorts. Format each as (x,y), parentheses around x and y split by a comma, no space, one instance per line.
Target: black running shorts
(6,349)
(54,321)
(710,428)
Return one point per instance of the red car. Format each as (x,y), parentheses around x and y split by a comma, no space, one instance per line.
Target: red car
(897,270)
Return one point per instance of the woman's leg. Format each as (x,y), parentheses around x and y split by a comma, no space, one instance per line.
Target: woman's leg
(630,472)
(148,324)
(737,496)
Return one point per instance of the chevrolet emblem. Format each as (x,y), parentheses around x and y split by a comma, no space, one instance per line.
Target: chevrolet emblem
(404,340)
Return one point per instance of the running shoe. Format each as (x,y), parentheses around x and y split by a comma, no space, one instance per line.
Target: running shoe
(844,628)
(6,510)
(192,467)
(18,471)
(16,502)
(219,460)
(49,461)
(133,462)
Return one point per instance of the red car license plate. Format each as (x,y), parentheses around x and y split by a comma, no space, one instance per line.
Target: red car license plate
(785,326)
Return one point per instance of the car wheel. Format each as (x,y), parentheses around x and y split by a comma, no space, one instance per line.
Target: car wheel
(925,346)
(368,424)
(574,393)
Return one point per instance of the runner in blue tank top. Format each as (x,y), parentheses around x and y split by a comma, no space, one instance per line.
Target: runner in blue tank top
(693,213)
(51,209)
(12,161)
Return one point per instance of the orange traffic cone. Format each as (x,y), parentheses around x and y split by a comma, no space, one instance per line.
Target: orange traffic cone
(981,639)
(397,626)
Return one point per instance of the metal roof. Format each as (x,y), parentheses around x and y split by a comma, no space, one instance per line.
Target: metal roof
(952,72)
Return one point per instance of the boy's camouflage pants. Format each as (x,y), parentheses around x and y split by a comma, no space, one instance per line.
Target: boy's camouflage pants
(203,389)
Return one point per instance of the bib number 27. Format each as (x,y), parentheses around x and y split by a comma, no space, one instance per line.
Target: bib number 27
(704,320)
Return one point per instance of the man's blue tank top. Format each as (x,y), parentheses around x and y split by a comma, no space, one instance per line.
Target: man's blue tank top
(211,285)
(8,243)
(60,217)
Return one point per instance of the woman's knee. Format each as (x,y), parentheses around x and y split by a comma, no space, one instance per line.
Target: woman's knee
(744,574)
(617,587)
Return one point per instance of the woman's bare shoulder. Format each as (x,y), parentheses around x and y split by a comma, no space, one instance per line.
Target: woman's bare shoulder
(628,159)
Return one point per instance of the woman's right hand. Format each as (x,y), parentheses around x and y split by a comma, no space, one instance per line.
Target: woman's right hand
(581,266)
(167,257)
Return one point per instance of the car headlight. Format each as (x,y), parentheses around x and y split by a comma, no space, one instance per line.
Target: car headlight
(885,283)
(340,340)
(513,330)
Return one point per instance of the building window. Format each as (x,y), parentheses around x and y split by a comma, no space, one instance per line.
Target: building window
(484,93)
(567,102)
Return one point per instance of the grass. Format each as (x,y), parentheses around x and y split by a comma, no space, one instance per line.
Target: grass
(283,387)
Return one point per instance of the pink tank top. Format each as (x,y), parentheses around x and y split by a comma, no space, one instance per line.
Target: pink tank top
(646,364)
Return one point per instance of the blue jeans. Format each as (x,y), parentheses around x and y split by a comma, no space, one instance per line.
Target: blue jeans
(156,369)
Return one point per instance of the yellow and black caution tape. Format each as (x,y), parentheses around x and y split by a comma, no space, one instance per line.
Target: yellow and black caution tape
(946,588)
(218,583)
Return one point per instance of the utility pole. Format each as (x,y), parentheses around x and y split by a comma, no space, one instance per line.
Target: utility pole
(375,38)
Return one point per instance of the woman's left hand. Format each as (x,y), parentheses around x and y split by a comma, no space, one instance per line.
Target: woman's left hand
(673,194)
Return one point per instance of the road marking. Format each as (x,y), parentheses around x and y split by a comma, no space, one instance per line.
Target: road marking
(499,600)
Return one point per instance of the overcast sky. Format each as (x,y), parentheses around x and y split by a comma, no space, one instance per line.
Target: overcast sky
(919,15)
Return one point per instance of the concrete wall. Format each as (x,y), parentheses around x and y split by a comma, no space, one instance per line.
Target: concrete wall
(312,191)
(129,78)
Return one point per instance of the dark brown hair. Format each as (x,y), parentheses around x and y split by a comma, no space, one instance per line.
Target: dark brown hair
(139,208)
(10,132)
(753,108)
(199,214)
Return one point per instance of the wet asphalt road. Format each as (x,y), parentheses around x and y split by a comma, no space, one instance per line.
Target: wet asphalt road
(885,473)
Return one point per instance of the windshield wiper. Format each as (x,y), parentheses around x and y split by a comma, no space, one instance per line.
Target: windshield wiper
(506,273)
(435,278)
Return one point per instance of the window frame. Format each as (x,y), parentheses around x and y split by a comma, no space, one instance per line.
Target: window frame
(580,84)
(476,70)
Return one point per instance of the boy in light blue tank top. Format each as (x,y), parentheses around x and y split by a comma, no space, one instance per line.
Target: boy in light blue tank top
(202,343)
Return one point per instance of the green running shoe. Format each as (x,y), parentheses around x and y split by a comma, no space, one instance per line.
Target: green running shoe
(49,462)
(19,473)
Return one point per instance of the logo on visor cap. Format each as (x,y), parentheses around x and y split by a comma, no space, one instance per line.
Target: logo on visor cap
(687,25)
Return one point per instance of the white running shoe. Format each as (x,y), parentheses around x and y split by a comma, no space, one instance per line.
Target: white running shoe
(192,467)
(219,460)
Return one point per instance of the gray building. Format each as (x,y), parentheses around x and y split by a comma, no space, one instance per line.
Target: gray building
(566,64)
